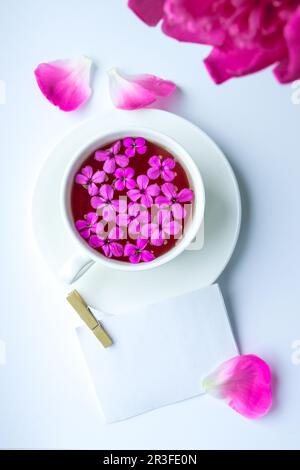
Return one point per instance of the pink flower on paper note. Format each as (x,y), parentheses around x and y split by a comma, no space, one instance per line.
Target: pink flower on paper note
(112,158)
(134,146)
(89,180)
(246,35)
(109,244)
(161,229)
(244,382)
(161,167)
(137,252)
(105,203)
(174,200)
(124,178)
(144,192)
(137,91)
(65,83)
(87,225)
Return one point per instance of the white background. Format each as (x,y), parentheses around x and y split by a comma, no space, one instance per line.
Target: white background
(45,397)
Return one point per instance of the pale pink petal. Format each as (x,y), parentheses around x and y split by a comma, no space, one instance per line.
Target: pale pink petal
(135,92)
(149,11)
(65,83)
(185,195)
(116,249)
(245,383)
(109,165)
(123,220)
(147,256)
(147,230)
(116,233)
(107,192)
(153,190)
(142,181)
(109,213)
(172,228)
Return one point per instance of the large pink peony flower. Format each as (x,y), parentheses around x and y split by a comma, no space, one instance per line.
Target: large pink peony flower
(246,35)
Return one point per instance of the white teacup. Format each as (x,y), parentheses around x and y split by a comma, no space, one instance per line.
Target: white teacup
(80,262)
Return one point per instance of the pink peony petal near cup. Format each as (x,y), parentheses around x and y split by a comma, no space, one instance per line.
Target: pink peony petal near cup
(137,91)
(149,11)
(244,382)
(65,83)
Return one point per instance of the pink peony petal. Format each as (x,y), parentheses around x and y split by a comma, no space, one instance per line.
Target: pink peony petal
(288,69)
(245,383)
(65,83)
(135,92)
(150,11)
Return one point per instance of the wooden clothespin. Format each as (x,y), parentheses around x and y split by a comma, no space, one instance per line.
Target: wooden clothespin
(77,302)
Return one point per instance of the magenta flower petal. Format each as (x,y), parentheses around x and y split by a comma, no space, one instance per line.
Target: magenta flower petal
(92,189)
(87,171)
(153,173)
(149,11)
(141,243)
(122,160)
(245,383)
(107,192)
(146,200)
(137,91)
(185,195)
(153,190)
(65,83)
(288,69)
(134,194)
(147,256)
(129,249)
(101,155)
(169,190)
(162,200)
(155,161)
(95,242)
(142,181)
(81,179)
(109,165)
(120,185)
(178,211)
(135,258)
(116,249)
(99,177)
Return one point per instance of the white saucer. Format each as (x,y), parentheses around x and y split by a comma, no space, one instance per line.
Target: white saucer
(116,291)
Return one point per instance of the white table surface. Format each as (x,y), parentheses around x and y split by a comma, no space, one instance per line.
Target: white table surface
(45,395)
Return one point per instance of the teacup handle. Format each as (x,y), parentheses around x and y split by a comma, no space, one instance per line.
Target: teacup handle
(75,267)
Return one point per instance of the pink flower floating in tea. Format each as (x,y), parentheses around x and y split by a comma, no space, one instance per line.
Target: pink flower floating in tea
(244,382)
(137,91)
(246,35)
(134,220)
(90,180)
(65,83)
(112,158)
(161,167)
